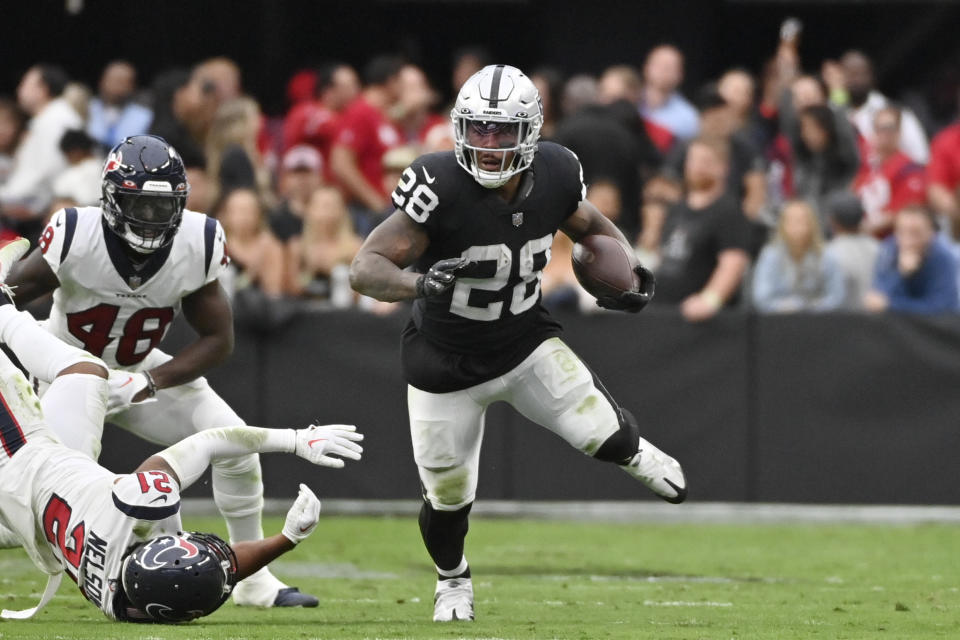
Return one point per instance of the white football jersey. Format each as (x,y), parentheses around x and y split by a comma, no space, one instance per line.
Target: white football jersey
(105,304)
(73,514)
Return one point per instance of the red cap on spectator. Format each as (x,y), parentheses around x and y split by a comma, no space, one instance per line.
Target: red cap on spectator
(300,87)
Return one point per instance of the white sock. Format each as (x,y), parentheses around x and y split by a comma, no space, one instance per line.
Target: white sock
(453,573)
(74,407)
(39,351)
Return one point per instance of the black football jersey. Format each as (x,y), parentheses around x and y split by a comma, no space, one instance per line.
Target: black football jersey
(491,319)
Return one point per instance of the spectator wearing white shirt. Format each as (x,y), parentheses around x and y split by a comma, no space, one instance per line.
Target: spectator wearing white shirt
(865,101)
(38,160)
(79,185)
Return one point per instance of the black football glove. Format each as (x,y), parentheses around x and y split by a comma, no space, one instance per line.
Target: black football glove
(440,277)
(632,301)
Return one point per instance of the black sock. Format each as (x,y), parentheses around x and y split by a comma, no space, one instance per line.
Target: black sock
(621,446)
(443,534)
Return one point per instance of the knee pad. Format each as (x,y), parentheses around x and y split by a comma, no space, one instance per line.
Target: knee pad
(448,488)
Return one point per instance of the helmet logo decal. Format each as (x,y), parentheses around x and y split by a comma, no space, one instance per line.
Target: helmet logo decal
(114,162)
(178,549)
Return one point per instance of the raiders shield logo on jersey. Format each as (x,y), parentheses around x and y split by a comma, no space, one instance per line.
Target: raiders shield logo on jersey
(518,218)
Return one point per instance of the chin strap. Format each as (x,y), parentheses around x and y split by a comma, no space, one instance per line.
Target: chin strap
(53,583)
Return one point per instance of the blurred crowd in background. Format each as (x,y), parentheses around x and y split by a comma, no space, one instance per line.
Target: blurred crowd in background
(802,189)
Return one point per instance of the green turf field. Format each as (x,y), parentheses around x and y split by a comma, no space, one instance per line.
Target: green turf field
(575,580)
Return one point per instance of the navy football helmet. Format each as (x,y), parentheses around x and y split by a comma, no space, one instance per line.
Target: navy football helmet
(144,191)
(179,578)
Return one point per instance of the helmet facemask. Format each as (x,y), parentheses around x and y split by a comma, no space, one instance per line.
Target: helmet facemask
(514,140)
(146,220)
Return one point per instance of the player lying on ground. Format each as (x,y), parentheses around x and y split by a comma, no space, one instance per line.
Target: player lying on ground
(119,274)
(118,536)
(477,225)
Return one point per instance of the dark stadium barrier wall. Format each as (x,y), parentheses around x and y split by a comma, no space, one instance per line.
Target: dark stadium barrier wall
(802,408)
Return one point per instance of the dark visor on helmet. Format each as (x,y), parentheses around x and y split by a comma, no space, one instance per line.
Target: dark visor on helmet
(149,208)
(505,134)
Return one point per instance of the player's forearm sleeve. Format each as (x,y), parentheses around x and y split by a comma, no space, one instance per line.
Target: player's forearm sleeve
(189,457)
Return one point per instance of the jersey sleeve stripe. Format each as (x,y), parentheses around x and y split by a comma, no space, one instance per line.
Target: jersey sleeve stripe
(70,227)
(11,435)
(142,512)
(209,235)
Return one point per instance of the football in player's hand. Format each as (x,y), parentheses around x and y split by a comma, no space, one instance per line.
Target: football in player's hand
(604,266)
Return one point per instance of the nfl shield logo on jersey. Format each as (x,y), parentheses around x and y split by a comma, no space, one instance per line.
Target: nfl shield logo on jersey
(518,218)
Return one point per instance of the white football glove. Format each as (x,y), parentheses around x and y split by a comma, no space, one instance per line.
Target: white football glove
(317,443)
(123,386)
(303,516)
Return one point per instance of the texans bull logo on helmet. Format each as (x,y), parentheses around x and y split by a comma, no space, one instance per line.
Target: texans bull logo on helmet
(114,162)
(173,548)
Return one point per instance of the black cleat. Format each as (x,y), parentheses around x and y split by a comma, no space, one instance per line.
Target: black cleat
(292,597)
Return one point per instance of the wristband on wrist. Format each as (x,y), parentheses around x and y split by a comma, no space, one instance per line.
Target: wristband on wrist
(151,385)
(712,298)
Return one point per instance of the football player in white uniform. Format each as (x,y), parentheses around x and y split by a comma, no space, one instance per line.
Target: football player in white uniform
(118,536)
(119,274)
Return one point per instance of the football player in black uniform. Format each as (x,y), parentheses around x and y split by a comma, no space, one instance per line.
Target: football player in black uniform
(477,225)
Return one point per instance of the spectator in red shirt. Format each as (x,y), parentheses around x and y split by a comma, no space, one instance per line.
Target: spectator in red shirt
(314,122)
(888,179)
(365,133)
(943,176)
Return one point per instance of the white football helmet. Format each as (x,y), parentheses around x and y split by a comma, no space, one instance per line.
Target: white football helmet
(498,101)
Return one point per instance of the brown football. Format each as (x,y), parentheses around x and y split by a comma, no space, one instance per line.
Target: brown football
(604,266)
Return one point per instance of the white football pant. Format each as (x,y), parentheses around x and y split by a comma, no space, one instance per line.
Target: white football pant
(551,387)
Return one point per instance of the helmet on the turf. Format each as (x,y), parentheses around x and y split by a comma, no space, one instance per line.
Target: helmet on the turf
(499,107)
(179,578)
(143,192)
